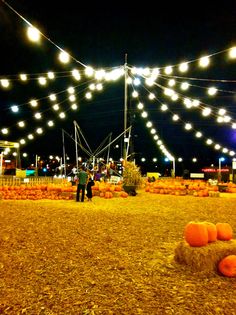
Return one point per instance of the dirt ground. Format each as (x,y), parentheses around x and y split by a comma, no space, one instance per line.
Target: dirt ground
(113,256)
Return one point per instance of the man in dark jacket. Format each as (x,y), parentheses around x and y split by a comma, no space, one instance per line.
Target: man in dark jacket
(82,181)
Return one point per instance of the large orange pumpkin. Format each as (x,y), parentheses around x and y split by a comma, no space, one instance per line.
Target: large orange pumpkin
(212,231)
(227,266)
(195,234)
(224,231)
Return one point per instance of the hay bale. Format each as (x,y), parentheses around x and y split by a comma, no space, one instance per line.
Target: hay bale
(204,258)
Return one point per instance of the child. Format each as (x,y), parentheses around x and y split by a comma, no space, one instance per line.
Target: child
(89,189)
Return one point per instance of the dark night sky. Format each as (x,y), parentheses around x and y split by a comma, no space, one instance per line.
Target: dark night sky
(100,36)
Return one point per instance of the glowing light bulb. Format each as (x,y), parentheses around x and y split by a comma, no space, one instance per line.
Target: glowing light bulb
(232,53)
(144,114)
(168,70)
(15,108)
(5,83)
(149,124)
(52,97)
(198,134)
(23,77)
(188,126)
(33,103)
(204,61)
(33,34)
(184,86)
(175,117)
(64,57)
(183,67)
(21,124)
(212,91)
(50,123)
(140,106)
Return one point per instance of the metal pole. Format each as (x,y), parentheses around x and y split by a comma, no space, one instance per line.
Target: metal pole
(219,177)
(76,150)
(1,161)
(125,106)
(173,167)
(36,165)
(108,151)
(64,151)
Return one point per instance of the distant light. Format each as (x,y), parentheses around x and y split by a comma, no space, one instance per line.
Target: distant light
(217,147)
(174,97)
(135,94)
(180,159)
(88,95)
(232,53)
(206,111)
(143,159)
(198,134)
(188,126)
(153,131)
(22,141)
(195,103)
(50,123)
(175,117)
(38,116)
(5,83)
(194,160)
(62,115)
(144,114)
(164,107)
(184,86)
(5,131)
(168,70)
(56,107)
(183,67)
(23,77)
(166,159)
(136,81)
(21,124)
(30,136)
(140,106)
(64,57)
(156,137)
(15,108)
(39,130)
(151,96)
(99,87)
(72,98)
(42,81)
(24,154)
(221,159)
(74,106)
(50,75)
(33,34)
(33,103)
(212,91)
(89,71)
(171,82)
(222,111)
(149,124)
(154,159)
(209,141)
(204,62)
(76,74)
(52,97)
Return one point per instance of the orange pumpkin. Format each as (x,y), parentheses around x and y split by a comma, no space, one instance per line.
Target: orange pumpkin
(212,231)
(227,266)
(224,231)
(195,234)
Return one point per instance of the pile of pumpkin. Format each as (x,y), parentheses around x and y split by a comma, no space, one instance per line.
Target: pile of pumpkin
(180,187)
(108,190)
(36,192)
(198,234)
(57,191)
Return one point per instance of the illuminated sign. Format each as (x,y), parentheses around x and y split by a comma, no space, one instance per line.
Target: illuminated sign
(215,170)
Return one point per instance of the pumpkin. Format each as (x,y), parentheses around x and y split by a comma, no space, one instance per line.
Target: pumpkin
(212,231)
(227,266)
(195,234)
(224,231)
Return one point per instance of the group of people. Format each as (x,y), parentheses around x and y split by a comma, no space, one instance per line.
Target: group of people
(85,182)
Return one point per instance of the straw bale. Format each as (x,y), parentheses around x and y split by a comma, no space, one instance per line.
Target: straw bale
(205,258)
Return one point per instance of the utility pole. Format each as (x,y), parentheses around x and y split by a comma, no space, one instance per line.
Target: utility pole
(125,107)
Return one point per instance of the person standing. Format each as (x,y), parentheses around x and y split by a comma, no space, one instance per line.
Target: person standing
(89,189)
(82,181)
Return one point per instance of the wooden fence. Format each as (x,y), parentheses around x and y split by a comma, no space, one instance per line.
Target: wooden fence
(15,181)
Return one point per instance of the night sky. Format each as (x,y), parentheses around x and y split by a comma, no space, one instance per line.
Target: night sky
(100,36)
